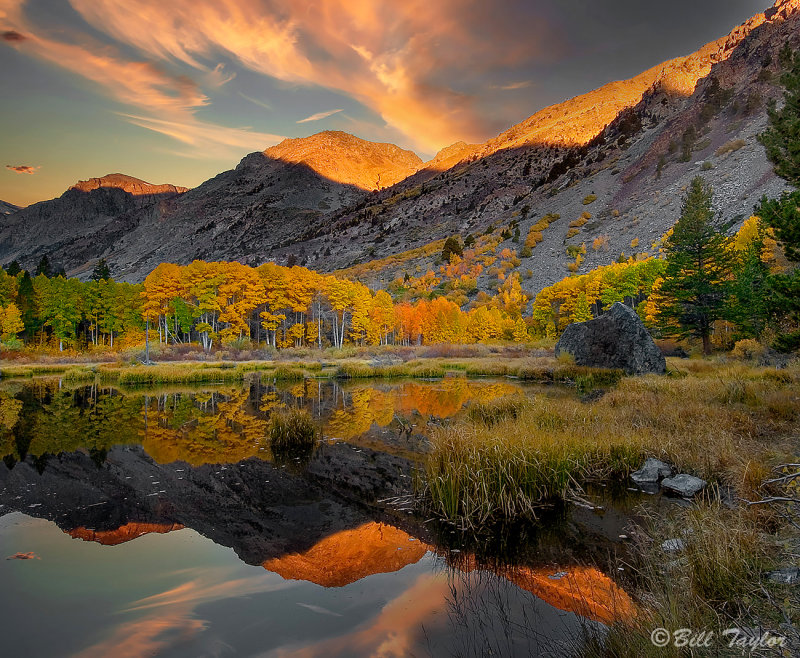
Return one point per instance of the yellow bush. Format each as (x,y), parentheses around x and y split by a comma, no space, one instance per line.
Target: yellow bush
(747,349)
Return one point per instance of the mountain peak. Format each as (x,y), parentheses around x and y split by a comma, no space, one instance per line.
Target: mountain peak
(347,159)
(129,184)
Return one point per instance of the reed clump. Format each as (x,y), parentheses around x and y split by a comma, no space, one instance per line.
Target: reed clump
(494,411)
(292,430)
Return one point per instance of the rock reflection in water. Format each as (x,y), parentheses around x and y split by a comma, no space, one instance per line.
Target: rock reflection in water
(123,469)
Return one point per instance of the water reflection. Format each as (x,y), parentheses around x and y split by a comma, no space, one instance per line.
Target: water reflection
(225,424)
(168,478)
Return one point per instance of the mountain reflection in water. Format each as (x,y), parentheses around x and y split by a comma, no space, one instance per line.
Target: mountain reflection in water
(136,471)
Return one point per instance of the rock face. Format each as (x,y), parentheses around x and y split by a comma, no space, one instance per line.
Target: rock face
(617,339)
(129,184)
(349,160)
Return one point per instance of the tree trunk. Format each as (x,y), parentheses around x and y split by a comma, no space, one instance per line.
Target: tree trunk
(706,343)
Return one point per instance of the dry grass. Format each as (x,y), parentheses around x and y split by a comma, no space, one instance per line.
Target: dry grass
(730,147)
(714,584)
(723,423)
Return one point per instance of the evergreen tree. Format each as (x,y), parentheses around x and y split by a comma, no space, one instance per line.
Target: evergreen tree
(44,267)
(13,268)
(26,301)
(781,142)
(693,288)
(451,246)
(747,306)
(781,139)
(101,271)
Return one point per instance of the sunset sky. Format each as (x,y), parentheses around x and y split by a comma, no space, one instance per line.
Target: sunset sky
(176,91)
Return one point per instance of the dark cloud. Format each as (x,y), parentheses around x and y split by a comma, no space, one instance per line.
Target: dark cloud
(14,37)
(22,169)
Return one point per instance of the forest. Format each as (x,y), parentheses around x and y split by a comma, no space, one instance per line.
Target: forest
(215,303)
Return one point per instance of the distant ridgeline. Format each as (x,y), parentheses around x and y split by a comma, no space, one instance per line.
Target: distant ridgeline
(223,302)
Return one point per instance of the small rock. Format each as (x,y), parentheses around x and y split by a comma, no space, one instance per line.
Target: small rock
(673,545)
(652,471)
(785,576)
(684,484)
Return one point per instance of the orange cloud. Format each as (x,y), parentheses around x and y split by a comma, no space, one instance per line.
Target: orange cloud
(22,169)
(396,58)
(168,101)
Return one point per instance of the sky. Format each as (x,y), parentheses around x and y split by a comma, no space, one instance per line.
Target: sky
(176,91)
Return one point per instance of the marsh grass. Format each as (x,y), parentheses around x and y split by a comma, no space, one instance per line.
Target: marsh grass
(176,373)
(714,584)
(493,411)
(292,435)
(36,370)
(416,369)
(724,424)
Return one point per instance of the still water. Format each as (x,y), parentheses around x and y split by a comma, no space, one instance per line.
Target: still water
(158,522)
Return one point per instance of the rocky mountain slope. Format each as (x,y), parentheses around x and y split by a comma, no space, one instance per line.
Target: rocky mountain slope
(621,154)
(7,208)
(268,198)
(88,214)
(554,161)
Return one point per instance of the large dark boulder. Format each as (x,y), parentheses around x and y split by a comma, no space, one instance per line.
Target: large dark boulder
(617,339)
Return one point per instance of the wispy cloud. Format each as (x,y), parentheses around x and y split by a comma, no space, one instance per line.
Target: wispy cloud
(263,104)
(195,132)
(513,85)
(166,103)
(319,115)
(403,60)
(12,36)
(218,76)
(22,169)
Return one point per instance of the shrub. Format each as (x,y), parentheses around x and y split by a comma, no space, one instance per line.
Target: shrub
(589,198)
(572,232)
(635,242)
(730,147)
(748,349)
(600,242)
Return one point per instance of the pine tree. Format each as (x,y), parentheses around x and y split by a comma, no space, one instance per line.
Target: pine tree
(781,142)
(101,271)
(781,139)
(44,267)
(452,246)
(747,306)
(693,289)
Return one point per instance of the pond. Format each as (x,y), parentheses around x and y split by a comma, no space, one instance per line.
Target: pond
(159,522)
